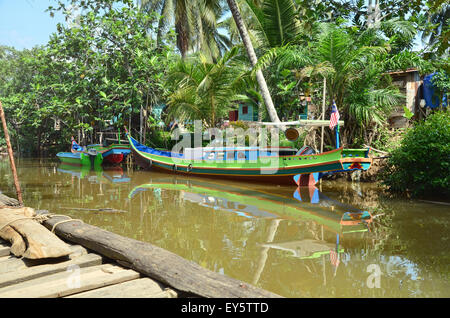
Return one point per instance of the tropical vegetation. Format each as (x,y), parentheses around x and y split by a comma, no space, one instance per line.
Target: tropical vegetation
(115,62)
(421,164)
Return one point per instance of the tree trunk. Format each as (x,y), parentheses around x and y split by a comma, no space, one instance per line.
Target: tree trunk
(253,60)
(141,123)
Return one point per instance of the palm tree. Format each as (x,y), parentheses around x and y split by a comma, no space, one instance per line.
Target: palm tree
(437,36)
(195,24)
(206,91)
(253,60)
(353,71)
(277,21)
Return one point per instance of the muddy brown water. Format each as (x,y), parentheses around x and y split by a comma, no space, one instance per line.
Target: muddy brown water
(291,242)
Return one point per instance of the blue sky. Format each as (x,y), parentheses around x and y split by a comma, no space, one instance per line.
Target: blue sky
(24,23)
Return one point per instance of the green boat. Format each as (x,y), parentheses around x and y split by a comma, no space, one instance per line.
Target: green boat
(81,157)
(269,165)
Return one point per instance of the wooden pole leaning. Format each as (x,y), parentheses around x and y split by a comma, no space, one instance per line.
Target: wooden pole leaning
(11,156)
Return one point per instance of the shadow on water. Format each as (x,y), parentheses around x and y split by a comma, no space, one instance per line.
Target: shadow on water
(341,239)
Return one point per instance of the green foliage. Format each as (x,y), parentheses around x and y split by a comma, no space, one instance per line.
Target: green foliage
(441,81)
(421,164)
(206,91)
(239,124)
(102,67)
(196,23)
(353,68)
(119,57)
(278,21)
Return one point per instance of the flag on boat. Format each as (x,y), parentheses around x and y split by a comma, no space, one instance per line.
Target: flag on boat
(334,118)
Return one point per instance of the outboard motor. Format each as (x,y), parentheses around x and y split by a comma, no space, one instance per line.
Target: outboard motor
(92,154)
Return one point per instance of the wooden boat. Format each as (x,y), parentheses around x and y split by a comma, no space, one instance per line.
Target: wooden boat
(251,163)
(80,156)
(112,154)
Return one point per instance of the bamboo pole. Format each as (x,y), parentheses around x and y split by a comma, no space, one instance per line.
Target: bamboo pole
(323,118)
(11,156)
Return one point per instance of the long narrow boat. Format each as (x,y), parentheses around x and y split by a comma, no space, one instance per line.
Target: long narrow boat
(251,163)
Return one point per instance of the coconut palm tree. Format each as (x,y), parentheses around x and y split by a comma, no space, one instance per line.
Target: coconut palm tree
(438,34)
(353,70)
(277,21)
(253,60)
(195,24)
(206,91)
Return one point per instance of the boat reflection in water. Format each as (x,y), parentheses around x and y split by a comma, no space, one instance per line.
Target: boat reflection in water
(325,228)
(306,203)
(113,174)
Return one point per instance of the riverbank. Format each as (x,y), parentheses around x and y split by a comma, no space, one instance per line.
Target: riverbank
(371,175)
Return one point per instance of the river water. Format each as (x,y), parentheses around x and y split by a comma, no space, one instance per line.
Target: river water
(292,242)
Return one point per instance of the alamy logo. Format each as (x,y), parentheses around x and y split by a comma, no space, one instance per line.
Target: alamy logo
(374,279)
(230,138)
(74,280)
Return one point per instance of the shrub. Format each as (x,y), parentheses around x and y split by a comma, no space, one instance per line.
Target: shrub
(421,164)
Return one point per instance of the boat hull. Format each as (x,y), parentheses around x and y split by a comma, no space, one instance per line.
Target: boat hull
(80,159)
(278,170)
(113,154)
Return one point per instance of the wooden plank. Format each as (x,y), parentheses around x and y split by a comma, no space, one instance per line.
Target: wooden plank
(69,282)
(12,263)
(138,288)
(34,272)
(34,240)
(155,262)
(4,250)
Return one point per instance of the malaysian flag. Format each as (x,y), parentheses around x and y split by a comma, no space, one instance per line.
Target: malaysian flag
(334,258)
(334,118)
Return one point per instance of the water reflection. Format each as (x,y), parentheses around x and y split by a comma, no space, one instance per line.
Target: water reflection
(114,174)
(306,203)
(294,242)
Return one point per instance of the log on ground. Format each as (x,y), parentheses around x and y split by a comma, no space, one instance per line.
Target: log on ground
(155,262)
(7,201)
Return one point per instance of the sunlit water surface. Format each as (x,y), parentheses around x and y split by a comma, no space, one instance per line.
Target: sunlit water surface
(275,237)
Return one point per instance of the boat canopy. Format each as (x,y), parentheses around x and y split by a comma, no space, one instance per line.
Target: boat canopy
(214,153)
